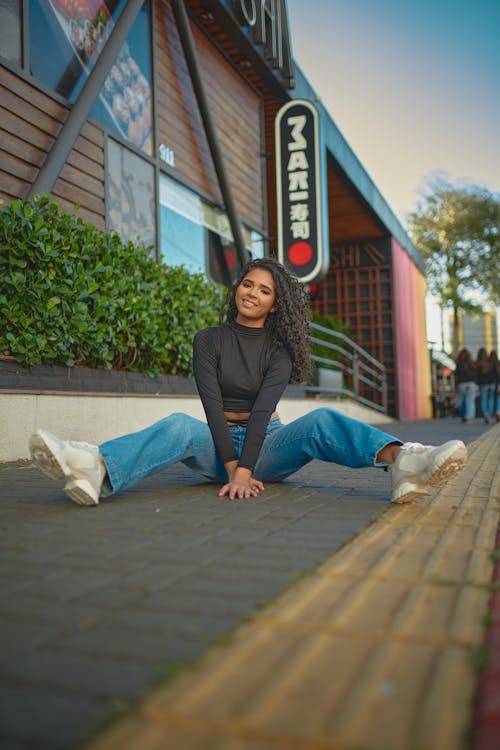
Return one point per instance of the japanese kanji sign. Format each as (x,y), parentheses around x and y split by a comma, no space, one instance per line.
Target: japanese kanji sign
(302,217)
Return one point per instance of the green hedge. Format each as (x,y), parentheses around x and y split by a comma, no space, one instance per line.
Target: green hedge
(73,295)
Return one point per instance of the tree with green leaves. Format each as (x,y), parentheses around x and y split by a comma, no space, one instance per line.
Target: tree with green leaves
(457,230)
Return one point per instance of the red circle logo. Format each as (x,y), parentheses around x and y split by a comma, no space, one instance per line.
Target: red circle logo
(300,253)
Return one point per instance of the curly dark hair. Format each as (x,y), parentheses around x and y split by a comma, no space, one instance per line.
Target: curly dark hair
(288,324)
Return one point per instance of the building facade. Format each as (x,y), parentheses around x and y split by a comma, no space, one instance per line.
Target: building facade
(480,331)
(172,144)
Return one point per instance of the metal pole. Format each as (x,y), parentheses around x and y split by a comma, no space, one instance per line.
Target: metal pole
(355,374)
(79,112)
(210,129)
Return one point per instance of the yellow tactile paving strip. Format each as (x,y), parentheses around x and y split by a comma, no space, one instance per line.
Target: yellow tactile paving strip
(371,652)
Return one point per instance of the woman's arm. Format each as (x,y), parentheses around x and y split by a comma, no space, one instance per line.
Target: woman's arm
(242,484)
(205,358)
(272,388)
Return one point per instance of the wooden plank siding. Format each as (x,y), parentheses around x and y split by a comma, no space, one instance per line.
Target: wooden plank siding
(271,108)
(235,107)
(348,217)
(241,103)
(30,120)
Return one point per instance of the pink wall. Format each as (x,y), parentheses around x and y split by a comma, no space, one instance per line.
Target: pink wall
(412,355)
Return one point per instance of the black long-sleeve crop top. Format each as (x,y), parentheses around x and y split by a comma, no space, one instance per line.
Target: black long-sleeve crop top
(239,369)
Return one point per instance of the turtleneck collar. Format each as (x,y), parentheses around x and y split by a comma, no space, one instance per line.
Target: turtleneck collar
(248,330)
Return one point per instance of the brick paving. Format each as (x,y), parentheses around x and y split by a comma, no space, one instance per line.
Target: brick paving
(102,605)
(486,724)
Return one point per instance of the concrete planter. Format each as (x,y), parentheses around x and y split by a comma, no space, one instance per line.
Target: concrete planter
(329,378)
(95,405)
(53,378)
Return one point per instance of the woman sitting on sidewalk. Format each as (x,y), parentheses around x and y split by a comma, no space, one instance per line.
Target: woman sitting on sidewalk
(241,370)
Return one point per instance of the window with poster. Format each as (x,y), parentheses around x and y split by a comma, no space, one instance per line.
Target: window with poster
(197,235)
(10,31)
(75,31)
(130,203)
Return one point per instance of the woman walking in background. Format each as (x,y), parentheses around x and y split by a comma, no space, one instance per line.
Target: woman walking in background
(241,369)
(495,364)
(466,385)
(486,380)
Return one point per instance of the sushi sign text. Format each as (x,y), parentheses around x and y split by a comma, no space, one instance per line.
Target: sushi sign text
(301,191)
(269,30)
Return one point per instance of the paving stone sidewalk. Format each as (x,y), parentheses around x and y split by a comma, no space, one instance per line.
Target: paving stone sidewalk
(101,604)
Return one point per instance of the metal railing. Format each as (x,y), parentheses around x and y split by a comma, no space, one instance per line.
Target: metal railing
(353,373)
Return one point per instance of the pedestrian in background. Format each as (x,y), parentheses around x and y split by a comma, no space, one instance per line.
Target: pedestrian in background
(242,368)
(495,363)
(466,386)
(486,379)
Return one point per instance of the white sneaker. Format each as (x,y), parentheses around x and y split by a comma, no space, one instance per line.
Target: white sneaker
(419,465)
(76,462)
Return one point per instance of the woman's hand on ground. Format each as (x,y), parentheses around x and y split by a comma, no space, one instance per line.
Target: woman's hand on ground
(241,485)
(238,490)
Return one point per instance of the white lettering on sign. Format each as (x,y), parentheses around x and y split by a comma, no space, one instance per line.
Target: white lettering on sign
(167,155)
(299,212)
(268,20)
(299,142)
(358,255)
(297,181)
(246,11)
(301,191)
(297,160)
(298,178)
(299,221)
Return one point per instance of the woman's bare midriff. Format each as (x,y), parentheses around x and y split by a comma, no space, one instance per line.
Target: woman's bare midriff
(236,417)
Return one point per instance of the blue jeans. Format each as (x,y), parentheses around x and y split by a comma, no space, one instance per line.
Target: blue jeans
(487,399)
(324,434)
(466,393)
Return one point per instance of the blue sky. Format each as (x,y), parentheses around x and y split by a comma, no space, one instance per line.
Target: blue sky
(413,86)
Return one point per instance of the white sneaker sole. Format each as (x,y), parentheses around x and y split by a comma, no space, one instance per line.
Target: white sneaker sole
(45,457)
(450,466)
(408,492)
(81,492)
(410,496)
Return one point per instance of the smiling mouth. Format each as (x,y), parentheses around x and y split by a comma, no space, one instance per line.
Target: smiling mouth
(248,303)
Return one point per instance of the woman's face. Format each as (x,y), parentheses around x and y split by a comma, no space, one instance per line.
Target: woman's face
(255,298)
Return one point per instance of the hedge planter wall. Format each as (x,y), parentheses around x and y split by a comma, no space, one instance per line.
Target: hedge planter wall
(71,294)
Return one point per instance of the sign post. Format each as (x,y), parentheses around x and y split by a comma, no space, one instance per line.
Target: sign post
(302,211)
